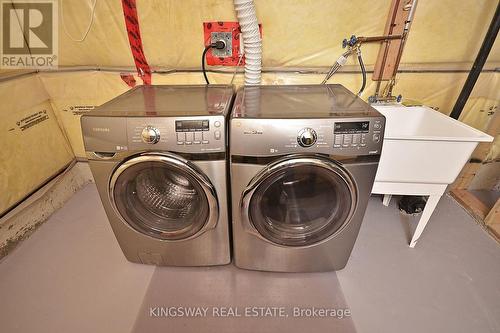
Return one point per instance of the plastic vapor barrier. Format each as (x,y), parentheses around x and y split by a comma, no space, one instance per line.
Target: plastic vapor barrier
(32,146)
(295,33)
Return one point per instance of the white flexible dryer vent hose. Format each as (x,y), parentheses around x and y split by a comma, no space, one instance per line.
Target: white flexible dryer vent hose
(247,18)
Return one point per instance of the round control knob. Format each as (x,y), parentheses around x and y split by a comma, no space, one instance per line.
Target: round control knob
(150,135)
(307,137)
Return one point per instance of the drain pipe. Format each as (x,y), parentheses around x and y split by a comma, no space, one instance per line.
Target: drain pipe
(252,43)
(476,69)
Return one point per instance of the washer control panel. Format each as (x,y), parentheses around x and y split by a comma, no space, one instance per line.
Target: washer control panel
(182,134)
(196,132)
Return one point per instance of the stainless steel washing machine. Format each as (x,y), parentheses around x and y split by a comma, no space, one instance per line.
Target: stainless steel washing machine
(158,157)
(303,162)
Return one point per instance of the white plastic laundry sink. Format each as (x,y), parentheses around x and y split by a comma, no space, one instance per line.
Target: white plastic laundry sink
(423,151)
(422,145)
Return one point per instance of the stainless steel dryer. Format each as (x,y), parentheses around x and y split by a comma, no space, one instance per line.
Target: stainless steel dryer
(158,157)
(303,162)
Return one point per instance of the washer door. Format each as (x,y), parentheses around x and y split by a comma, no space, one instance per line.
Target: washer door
(164,196)
(300,201)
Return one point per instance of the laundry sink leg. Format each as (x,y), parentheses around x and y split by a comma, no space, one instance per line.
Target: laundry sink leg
(426,215)
(387,199)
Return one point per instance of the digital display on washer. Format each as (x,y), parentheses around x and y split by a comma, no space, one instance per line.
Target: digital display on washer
(351,127)
(192,125)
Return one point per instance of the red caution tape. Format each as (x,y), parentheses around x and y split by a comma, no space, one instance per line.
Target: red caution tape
(128,79)
(135,41)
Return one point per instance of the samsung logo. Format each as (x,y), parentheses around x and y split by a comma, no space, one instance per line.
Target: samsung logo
(100,129)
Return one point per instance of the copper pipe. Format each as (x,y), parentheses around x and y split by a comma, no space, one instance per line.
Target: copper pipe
(379,38)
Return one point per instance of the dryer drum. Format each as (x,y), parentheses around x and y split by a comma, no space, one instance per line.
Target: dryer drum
(301,205)
(161,200)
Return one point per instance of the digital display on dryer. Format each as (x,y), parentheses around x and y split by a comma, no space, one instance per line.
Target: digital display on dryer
(352,127)
(192,125)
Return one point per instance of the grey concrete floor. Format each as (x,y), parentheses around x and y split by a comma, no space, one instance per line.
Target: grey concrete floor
(219,288)
(70,276)
(450,282)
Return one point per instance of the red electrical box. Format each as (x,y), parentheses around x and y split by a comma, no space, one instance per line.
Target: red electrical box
(230,33)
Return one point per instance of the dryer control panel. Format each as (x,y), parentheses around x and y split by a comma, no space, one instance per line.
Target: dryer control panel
(341,136)
(356,133)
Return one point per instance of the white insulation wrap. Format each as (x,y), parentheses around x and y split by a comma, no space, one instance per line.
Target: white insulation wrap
(247,18)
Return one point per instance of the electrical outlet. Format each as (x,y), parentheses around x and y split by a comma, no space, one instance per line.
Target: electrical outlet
(229,32)
(227,37)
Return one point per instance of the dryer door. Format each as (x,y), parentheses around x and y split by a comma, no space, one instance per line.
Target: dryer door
(163,196)
(300,201)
